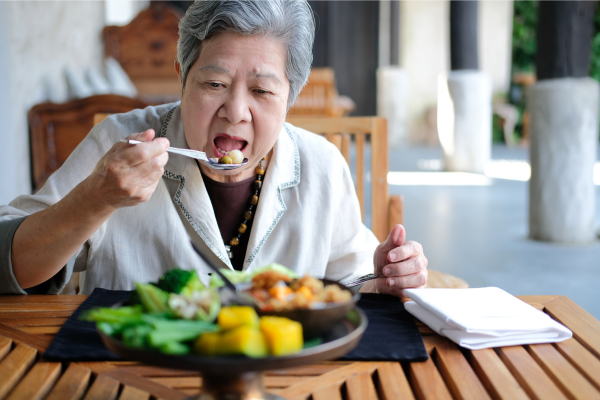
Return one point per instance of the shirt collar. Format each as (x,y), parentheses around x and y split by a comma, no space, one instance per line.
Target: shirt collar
(190,194)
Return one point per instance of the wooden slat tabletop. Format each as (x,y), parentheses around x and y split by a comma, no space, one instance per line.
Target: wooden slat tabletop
(566,370)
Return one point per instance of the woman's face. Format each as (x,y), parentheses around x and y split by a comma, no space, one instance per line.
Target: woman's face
(235,97)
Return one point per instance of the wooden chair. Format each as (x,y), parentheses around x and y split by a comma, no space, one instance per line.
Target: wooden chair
(320,97)
(386,210)
(146,48)
(56,129)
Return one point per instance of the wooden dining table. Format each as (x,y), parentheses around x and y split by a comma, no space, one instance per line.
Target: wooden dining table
(565,370)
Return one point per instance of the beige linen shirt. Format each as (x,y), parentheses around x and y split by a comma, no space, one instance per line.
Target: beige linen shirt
(308,216)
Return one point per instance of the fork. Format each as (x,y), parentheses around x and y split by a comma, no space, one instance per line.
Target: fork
(361,280)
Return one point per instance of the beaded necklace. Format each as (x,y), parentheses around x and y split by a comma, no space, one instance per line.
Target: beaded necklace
(256,186)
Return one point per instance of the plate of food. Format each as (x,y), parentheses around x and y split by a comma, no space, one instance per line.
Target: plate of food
(178,322)
(318,304)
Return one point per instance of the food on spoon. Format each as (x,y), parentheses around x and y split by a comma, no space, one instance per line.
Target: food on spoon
(236,156)
(225,160)
(233,157)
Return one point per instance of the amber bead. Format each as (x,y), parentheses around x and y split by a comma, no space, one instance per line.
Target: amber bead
(234,242)
(248,215)
(242,228)
(259,170)
(257,185)
(254,200)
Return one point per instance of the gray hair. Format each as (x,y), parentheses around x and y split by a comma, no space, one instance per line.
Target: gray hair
(291,21)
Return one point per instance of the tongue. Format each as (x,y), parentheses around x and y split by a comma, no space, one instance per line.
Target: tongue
(227,144)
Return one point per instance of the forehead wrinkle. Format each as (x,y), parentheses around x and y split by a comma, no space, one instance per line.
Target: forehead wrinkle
(267,76)
(215,69)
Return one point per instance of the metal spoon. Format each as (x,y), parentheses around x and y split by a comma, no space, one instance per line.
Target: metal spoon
(198,155)
(230,294)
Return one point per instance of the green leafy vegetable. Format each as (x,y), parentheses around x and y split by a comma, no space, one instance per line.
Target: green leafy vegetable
(175,348)
(153,299)
(244,276)
(136,336)
(180,281)
(312,343)
(121,315)
(178,331)
(277,268)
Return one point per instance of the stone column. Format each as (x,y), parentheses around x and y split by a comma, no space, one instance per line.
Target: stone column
(465,120)
(564,136)
(464,96)
(392,103)
(563,109)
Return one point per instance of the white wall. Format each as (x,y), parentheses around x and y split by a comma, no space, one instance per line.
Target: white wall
(37,40)
(425,53)
(495,42)
(121,12)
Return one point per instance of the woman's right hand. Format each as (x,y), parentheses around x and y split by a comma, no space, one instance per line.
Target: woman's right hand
(128,175)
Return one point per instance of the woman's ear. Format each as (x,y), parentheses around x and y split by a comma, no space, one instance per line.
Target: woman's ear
(178,70)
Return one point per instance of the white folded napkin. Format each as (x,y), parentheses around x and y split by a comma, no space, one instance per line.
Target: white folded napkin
(484,317)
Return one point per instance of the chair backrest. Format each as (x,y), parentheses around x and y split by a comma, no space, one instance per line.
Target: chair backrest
(340,131)
(56,129)
(146,49)
(318,97)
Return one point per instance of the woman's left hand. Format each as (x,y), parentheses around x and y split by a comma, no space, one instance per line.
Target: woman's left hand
(401,265)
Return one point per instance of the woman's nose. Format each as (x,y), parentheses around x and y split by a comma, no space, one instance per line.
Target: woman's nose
(236,108)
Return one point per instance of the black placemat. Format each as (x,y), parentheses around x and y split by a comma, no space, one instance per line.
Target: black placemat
(390,336)
(78,340)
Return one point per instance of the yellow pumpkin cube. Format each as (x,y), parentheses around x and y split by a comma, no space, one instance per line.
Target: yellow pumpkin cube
(245,340)
(283,335)
(234,316)
(207,344)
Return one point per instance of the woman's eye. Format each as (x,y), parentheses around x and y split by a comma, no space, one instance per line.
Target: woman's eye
(260,91)
(215,84)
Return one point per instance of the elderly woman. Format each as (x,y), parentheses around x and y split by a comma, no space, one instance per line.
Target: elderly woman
(122,213)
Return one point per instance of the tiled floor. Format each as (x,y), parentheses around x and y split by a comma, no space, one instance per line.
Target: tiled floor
(479,233)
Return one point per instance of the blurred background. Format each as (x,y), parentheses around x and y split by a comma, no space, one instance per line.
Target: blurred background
(492,110)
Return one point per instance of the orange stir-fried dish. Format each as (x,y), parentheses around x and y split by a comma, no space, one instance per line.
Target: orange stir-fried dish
(274,291)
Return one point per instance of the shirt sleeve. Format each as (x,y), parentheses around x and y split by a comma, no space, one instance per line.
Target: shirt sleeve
(8,282)
(76,168)
(352,243)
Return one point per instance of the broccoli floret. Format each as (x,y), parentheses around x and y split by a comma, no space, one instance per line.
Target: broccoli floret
(180,281)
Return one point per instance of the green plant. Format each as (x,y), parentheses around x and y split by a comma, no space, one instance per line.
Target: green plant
(524,36)
(595,53)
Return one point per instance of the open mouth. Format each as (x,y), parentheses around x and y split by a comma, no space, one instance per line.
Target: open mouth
(223,144)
